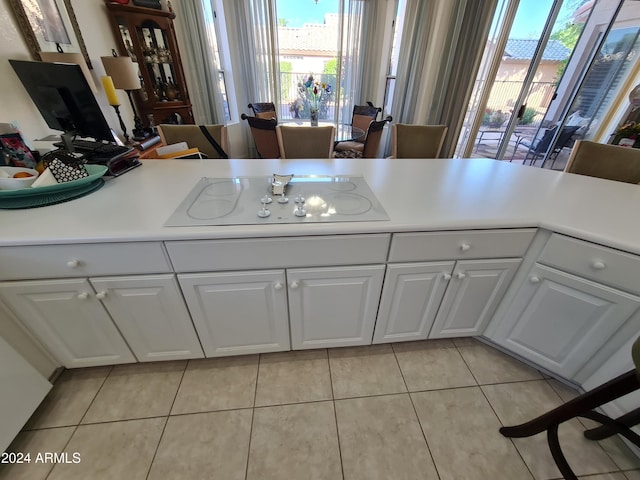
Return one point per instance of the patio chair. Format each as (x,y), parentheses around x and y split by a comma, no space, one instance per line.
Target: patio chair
(611,162)
(195,138)
(298,141)
(264,136)
(417,141)
(537,148)
(361,117)
(264,110)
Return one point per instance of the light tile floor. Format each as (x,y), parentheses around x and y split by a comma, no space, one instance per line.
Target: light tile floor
(418,410)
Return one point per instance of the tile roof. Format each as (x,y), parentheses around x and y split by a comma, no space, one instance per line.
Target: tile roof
(523,49)
(311,36)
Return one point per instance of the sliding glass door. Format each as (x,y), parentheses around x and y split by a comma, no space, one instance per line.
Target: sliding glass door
(531,43)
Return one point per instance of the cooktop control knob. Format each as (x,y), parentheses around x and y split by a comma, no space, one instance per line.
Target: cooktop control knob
(264,212)
(300,211)
(283,199)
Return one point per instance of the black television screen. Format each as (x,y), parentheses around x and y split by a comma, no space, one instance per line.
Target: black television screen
(64,98)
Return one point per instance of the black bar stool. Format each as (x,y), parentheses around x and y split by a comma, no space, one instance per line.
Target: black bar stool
(583,406)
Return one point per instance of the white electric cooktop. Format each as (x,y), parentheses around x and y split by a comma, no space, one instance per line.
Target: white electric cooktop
(251,201)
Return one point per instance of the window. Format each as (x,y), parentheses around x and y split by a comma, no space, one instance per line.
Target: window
(393,60)
(214,27)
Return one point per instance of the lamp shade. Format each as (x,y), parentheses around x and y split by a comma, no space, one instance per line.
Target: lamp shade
(123,71)
(52,57)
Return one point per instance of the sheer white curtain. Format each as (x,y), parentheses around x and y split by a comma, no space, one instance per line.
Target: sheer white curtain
(374,52)
(440,54)
(354,32)
(255,26)
(195,32)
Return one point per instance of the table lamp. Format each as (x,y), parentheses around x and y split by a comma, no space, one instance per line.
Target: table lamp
(124,74)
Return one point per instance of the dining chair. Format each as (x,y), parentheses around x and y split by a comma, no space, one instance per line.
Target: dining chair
(195,138)
(601,160)
(297,141)
(417,141)
(586,406)
(264,135)
(361,117)
(368,149)
(264,110)
(537,148)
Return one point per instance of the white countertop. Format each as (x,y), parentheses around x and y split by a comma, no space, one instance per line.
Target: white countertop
(418,194)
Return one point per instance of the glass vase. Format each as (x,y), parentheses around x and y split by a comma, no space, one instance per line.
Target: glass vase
(314,117)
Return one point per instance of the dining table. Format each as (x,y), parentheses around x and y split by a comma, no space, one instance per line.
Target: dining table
(344,132)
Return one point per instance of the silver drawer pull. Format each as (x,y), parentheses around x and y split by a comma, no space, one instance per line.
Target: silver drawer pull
(465,247)
(294,284)
(461,275)
(446,276)
(598,265)
(83,296)
(101,295)
(73,263)
(534,279)
(277,286)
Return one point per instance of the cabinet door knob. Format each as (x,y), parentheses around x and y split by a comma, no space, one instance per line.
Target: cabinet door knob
(101,295)
(83,295)
(464,247)
(461,275)
(73,263)
(446,276)
(294,284)
(598,265)
(534,279)
(277,286)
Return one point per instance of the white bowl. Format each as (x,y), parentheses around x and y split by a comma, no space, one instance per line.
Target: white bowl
(10,183)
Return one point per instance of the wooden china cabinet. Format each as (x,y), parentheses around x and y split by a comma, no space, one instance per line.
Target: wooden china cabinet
(148,36)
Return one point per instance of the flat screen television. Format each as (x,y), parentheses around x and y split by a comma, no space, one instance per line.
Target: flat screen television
(62,95)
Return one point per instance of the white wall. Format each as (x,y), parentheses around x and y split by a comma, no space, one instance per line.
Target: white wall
(16,104)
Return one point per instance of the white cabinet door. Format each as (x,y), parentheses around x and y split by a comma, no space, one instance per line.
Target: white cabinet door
(237,313)
(559,321)
(23,388)
(151,314)
(68,320)
(333,307)
(410,299)
(475,289)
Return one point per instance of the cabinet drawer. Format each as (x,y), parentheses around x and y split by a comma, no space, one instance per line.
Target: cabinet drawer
(56,261)
(450,245)
(595,262)
(239,254)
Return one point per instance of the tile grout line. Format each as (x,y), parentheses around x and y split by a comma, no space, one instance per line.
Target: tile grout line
(164,427)
(335,413)
(81,418)
(253,413)
(415,412)
(494,411)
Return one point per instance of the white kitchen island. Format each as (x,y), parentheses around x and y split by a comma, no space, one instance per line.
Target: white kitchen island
(542,264)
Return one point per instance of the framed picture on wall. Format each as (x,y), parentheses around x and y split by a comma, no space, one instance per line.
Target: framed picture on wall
(49,26)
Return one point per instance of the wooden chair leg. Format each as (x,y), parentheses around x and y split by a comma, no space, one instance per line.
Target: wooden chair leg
(616,388)
(583,406)
(611,427)
(556,453)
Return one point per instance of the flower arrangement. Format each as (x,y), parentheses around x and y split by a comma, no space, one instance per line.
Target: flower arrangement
(628,130)
(313,95)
